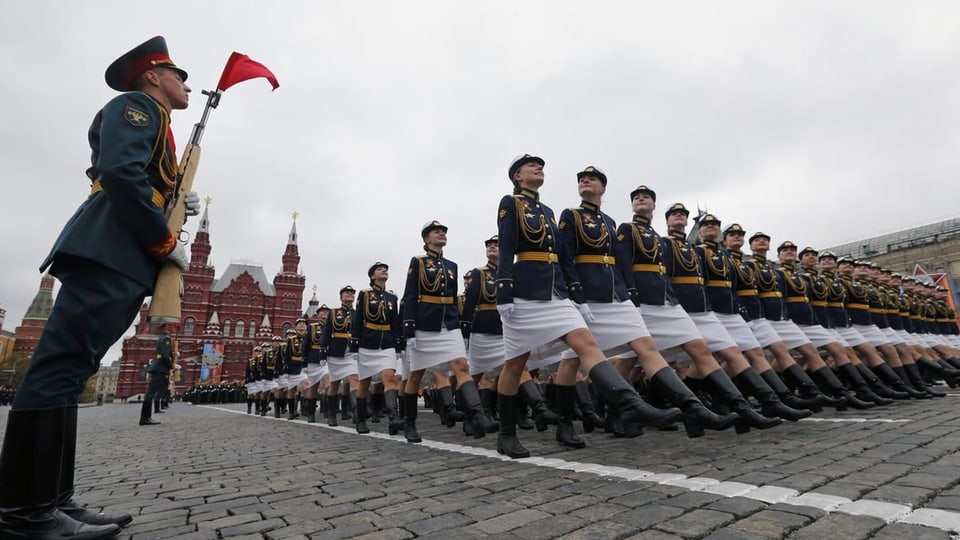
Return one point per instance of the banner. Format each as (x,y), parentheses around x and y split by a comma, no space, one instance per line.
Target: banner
(211,362)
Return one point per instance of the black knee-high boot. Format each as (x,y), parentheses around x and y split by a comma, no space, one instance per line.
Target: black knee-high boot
(893,380)
(720,384)
(860,387)
(31,476)
(634,413)
(529,393)
(449,415)
(480,422)
(565,398)
(588,412)
(410,419)
(827,380)
(65,501)
(877,384)
(786,395)
(362,415)
(798,379)
(696,416)
(749,381)
(489,398)
(394,421)
(507,442)
(914,373)
(333,408)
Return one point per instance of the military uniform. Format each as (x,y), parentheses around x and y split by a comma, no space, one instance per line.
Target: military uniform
(158,369)
(480,321)
(340,363)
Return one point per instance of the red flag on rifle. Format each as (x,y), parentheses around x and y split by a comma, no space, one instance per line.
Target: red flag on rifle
(241,68)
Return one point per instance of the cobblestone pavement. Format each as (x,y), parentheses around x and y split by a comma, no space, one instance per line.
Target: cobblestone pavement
(214,472)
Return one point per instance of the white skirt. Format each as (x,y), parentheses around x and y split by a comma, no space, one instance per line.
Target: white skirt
(712,330)
(316,372)
(270,385)
(616,325)
(294,381)
(538,327)
(373,361)
(283,381)
(486,353)
(817,334)
(790,334)
(871,333)
(669,325)
(403,365)
(436,348)
(908,337)
(851,335)
(543,362)
(892,335)
(838,338)
(739,331)
(341,367)
(252,388)
(763,331)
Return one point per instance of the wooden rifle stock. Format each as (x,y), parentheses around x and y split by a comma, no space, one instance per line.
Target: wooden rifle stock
(165,305)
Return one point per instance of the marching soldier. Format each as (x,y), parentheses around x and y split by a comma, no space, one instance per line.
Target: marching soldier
(318,375)
(431,327)
(333,348)
(250,376)
(158,370)
(293,363)
(375,339)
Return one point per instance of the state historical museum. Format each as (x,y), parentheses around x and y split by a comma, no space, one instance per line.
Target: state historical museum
(237,310)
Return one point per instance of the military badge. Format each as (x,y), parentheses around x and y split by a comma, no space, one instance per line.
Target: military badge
(563,225)
(502,214)
(135,117)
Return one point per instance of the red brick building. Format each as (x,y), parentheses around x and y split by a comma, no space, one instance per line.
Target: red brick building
(26,336)
(238,310)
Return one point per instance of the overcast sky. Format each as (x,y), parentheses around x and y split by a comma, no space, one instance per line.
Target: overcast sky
(818,122)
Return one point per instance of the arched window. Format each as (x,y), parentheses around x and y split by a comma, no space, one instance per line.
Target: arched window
(253,329)
(226,328)
(286,326)
(188,324)
(240,328)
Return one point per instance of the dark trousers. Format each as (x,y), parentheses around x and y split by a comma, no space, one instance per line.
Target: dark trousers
(94,308)
(157,388)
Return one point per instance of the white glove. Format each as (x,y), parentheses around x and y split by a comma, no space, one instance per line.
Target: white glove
(192,203)
(354,357)
(505,310)
(586,313)
(179,257)
(411,343)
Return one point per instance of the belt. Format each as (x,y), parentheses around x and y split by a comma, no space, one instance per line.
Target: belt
(904,313)
(158,199)
(537,256)
(687,280)
(835,304)
(878,311)
(436,299)
(719,283)
(595,259)
(656,268)
(796,299)
(380,327)
(747,292)
(770,294)
(344,335)
(857,306)
(486,307)
(818,303)
(314,347)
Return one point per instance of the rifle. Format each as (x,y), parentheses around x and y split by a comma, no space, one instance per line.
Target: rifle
(165,305)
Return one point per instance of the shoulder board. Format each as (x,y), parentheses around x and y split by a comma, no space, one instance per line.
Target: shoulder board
(368,289)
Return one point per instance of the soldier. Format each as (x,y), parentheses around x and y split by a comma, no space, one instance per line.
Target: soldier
(293,362)
(107,258)
(429,320)
(268,368)
(537,315)
(333,349)
(250,377)
(158,370)
(318,375)
(375,338)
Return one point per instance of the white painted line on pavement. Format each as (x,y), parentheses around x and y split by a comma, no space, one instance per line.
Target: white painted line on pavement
(858,420)
(946,520)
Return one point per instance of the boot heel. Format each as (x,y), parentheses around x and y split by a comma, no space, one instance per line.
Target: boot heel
(741,428)
(694,430)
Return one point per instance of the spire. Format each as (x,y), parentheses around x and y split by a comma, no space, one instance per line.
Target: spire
(43,301)
(291,255)
(213,325)
(200,248)
(266,330)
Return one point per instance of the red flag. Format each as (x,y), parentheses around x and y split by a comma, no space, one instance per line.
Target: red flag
(241,68)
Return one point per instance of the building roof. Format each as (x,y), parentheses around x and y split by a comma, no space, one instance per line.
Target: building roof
(235,270)
(905,239)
